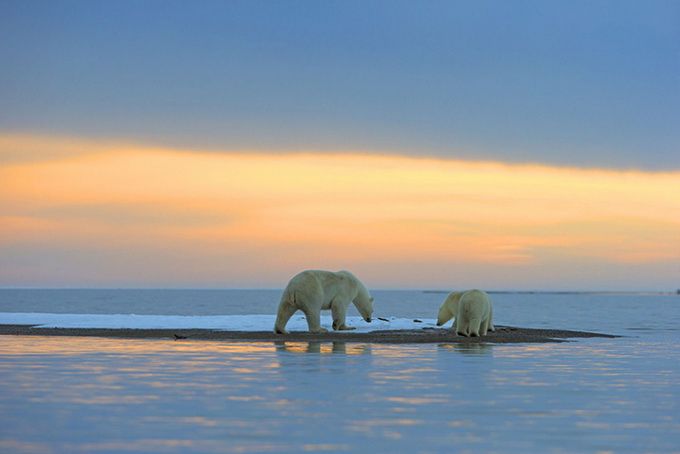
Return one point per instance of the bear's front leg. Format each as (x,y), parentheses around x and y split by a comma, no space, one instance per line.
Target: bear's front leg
(339,311)
(342,327)
(347,328)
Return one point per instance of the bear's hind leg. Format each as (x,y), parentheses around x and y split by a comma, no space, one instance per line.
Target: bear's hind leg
(313,317)
(475,325)
(286,311)
(484,327)
(462,329)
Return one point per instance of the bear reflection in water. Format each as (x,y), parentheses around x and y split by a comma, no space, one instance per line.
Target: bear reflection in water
(469,348)
(324,347)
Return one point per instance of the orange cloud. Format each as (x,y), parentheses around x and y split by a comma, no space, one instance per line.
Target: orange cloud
(285,211)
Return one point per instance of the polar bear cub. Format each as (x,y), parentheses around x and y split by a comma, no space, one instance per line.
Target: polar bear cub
(313,290)
(473,312)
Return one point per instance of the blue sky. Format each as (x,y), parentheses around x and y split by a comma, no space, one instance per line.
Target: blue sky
(578,83)
(147,143)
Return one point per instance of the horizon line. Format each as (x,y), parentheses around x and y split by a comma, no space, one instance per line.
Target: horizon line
(401,289)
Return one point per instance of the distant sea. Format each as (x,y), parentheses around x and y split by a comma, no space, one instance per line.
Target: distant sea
(66,395)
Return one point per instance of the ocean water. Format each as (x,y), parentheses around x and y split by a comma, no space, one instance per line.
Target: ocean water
(69,395)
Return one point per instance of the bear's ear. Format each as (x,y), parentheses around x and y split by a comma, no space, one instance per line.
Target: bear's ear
(371,299)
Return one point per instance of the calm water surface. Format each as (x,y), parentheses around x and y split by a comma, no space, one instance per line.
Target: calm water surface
(68,395)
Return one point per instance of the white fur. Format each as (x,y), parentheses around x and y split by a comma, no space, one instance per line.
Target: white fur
(313,290)
(473,312)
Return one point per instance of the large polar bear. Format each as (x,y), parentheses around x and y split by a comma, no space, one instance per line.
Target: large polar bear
(473,312)
(313,290)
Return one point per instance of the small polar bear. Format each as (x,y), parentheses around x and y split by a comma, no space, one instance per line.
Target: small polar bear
(473,312)
(313,290)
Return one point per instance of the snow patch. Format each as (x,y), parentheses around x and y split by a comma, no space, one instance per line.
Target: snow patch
(212,322)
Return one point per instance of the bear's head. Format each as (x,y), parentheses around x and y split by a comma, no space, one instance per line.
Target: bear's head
(364,303)
(444,315)
(449,308)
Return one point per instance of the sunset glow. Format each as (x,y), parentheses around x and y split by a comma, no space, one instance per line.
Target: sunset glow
(125,214)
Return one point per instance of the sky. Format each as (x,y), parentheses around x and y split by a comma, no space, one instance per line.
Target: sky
(491,144)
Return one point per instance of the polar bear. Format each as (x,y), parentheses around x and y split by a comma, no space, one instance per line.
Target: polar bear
(473,312)
(313,290)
